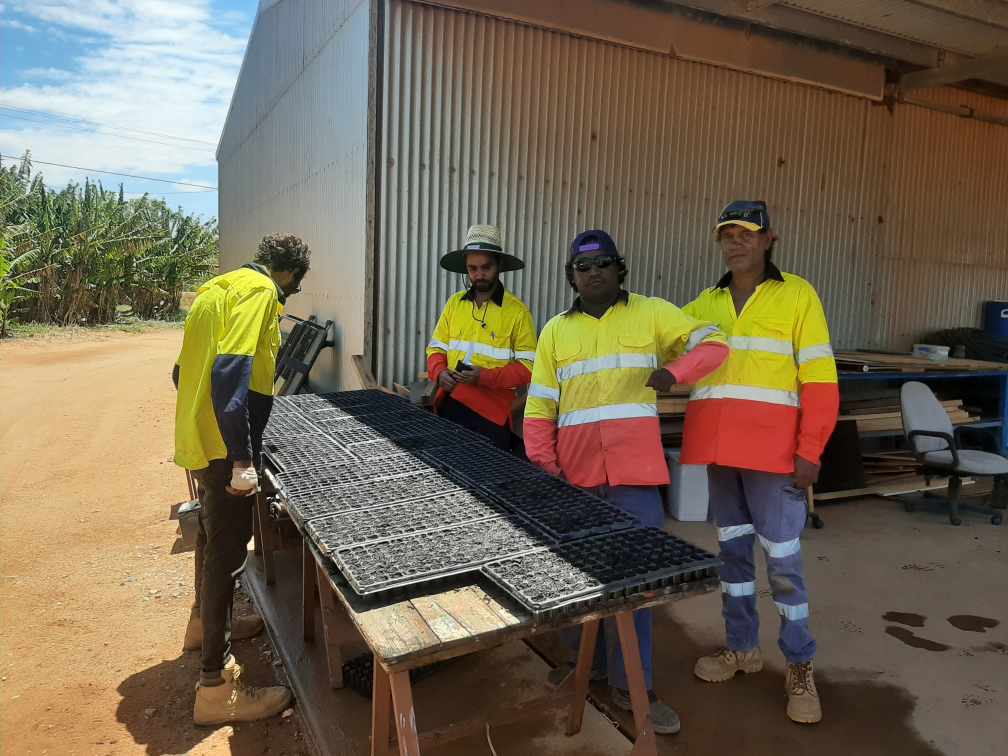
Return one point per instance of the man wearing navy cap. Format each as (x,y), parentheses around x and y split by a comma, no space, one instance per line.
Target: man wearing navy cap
(592,417)
(760,423)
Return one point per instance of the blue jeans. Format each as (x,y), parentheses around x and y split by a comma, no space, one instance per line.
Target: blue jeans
(747,505)
(644,502)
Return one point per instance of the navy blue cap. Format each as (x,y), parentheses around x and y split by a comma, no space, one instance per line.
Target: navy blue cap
(593,242)
(750,214)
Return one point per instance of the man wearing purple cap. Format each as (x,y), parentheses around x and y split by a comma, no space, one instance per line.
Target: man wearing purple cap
(592,415)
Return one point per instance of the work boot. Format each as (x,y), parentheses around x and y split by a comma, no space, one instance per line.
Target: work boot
(242,627)
(725,664)
(663,717)
(233,701)
(803,699)
(559,676)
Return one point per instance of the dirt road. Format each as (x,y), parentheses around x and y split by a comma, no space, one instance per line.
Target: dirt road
(93,603)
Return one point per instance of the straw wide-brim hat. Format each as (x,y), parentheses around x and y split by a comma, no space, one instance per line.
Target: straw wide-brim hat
(486,239)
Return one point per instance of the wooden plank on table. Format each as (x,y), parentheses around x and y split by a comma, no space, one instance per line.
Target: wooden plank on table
(505,614)
(470,611)
(396,630)
(912,484)
(910,363)
(444,625)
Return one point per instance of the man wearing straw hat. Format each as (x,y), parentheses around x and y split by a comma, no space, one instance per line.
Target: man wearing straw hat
(484,343)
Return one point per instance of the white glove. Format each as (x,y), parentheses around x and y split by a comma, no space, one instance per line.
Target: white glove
(244,480)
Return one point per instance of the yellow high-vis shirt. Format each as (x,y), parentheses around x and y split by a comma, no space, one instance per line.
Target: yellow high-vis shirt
(227,367)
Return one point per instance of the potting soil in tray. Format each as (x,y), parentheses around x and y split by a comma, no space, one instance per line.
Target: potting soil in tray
(404,560)
(353,471)
(307,453)
(560,509)
(480,463)
(307,505)
(288,425)
(602,567)
(361,526)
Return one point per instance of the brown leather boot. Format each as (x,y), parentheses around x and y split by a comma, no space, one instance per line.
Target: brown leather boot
(803,704)
(234,701)
(725,664)
(242,627)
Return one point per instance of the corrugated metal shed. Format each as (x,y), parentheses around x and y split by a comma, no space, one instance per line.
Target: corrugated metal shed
(548,134)
(293,158)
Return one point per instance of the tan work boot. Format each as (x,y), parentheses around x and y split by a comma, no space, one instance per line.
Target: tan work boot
(233,701)
(242,627)
(803,699)
(725,664)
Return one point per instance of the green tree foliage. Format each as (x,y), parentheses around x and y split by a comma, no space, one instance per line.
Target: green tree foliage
(72,257)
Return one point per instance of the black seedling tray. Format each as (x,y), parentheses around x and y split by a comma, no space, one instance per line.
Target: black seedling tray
(448,437)
(306,505)
(377,449)
(287,425)
(561,510)
(354,433)
(361,526)
(362,398)
(611,566)
(358,674)
(481,463)
(433,554)
(355,471)
(308,453)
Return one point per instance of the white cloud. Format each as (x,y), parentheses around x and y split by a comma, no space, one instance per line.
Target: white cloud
(13,23)
(159,66)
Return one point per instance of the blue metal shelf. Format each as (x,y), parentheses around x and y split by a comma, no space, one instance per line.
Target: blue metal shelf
(938,375)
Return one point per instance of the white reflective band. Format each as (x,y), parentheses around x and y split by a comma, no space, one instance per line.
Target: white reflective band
(474,347)
(814,353)
(699,335)
(780,550)
(610,412)
(739,589)
(760,344)
(435,344)
(530,356)
(544,392)
(750,393)
(735,531)
(800,611)
(609,362)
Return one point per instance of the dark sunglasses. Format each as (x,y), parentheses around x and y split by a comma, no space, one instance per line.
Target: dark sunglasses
(584,264)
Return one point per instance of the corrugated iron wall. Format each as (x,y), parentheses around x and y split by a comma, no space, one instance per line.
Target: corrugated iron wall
(895,216)
(943,249)
(293,158)
(547,134)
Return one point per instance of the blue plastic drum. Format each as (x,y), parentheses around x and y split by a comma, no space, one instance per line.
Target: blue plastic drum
(996,319)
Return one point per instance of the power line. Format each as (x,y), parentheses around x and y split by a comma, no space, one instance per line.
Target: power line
(113,173)
(102,130)
(76,119)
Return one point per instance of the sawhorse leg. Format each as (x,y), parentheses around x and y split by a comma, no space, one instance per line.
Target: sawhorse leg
(309,591)
(645,745)
(393,688)
(582,675)
(330,617)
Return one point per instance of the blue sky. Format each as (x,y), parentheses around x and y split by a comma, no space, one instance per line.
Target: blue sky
(151,79)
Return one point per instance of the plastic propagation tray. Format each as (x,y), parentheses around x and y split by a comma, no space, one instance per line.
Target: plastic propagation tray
(362,526)
(354,433)
(560,509)
(378,448)
(481,464)
(603,567)
(362,398)
(310,504)
(320,478)
(308,453)
(288,425)
(433,554)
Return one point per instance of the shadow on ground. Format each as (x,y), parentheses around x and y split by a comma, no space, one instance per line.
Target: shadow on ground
(863,715)
(157,704)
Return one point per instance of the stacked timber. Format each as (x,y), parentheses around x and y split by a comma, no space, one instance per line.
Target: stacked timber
(879,362)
